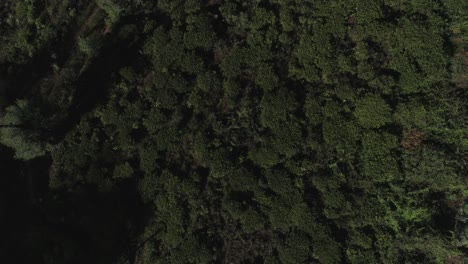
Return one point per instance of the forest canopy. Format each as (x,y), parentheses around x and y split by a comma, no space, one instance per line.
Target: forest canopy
(229,131)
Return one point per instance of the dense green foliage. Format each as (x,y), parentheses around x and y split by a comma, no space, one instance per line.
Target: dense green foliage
(279,131)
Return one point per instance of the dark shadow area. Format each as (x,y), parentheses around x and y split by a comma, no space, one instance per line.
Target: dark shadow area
(85,225)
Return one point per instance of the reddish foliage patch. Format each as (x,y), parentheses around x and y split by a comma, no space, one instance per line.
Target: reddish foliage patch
(454,260)
(217,56)
(461,79)
(148,78)
(242,248)
(412,139)
(351,21)
(213,2)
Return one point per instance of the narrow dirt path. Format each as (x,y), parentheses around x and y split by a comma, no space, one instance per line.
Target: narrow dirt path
(89,19)
(55,79)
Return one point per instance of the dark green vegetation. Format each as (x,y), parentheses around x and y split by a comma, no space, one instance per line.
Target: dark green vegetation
(229,131)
